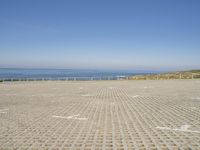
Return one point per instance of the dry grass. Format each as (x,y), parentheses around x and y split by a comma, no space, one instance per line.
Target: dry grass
(194,74)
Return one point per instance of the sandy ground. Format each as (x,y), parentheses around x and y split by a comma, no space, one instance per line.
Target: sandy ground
(100,115)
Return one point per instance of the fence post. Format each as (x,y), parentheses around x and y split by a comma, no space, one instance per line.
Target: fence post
(192,76)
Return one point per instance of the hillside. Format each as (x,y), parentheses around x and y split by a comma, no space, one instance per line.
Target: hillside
(191,74)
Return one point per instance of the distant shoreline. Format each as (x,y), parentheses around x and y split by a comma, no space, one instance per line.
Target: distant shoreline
(16,74)
(191,74)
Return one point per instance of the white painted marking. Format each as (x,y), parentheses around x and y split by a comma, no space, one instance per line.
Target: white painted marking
(135,96)
(75,117)
(86,95)
(59,117)
(111,87)
(7,89)
(183,128)
(193,108)
(81,118)
(32,95)
(3,111)
(146,87)
(11,94)
(195,98)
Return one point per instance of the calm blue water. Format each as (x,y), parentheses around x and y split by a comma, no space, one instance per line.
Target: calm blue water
(56,73)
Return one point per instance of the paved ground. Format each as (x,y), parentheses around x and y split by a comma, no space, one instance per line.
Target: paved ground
(100,115)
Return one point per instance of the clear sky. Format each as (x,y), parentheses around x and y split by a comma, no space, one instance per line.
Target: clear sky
(100,34)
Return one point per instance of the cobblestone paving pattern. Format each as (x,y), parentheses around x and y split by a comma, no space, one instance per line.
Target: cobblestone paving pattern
(100,115)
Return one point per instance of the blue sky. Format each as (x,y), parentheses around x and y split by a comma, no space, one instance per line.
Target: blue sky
(103,34)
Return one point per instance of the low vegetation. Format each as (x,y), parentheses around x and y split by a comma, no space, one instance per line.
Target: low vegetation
(193,74)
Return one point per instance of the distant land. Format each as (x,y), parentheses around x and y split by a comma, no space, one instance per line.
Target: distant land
(190,74)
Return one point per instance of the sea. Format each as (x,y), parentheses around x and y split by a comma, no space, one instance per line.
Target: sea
(29,73)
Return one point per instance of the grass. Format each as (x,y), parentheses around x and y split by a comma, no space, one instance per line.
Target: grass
(191,74)
(194,71)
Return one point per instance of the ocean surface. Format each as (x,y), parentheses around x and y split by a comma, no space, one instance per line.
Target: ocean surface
(17,73)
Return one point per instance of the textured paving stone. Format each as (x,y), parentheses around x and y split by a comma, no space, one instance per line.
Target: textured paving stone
(100,115)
